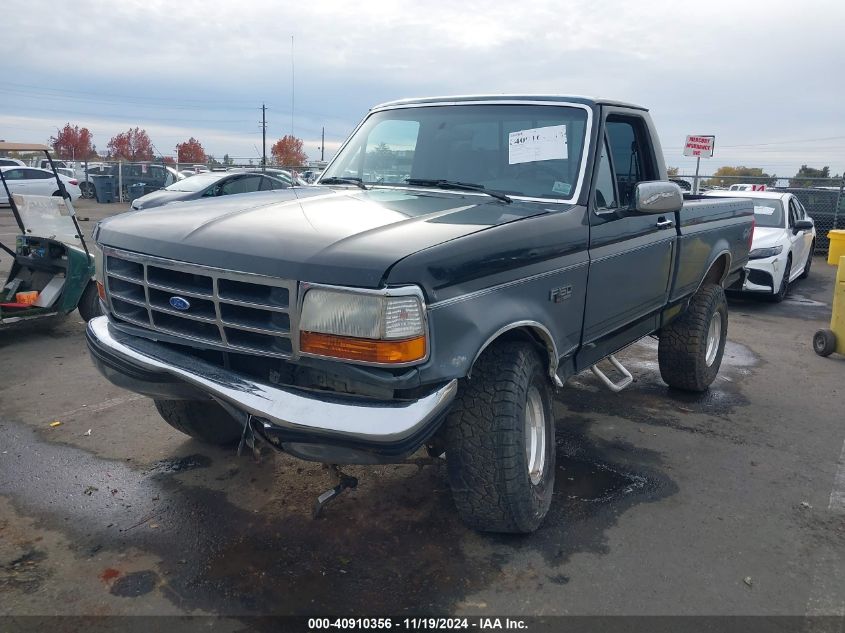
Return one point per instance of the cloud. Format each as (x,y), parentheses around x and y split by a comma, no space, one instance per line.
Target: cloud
(750,72)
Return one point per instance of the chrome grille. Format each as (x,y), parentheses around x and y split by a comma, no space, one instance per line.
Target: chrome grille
(228,310)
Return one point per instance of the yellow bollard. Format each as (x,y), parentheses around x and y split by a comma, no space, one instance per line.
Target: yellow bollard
(825,342)
(837,246)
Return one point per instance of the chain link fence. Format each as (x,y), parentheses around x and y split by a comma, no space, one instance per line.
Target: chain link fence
(124,181)
(823,198)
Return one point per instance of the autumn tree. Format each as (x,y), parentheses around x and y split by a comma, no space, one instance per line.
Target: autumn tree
(190,151)
(727,176)
(672,172)
(73,142)
(288,151)
(809,176)
(134,144)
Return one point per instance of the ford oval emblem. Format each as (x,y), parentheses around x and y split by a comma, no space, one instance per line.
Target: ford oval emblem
(180,303)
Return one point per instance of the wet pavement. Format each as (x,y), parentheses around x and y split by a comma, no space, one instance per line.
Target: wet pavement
(665,503)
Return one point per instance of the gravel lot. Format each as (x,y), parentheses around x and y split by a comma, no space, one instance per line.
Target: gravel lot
(666,503)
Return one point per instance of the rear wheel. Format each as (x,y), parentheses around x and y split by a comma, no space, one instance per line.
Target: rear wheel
(691,347)
(500,445)
(87,190)
(204,420)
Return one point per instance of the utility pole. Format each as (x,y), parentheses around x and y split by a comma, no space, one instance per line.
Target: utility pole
(292,85)
(263,137)
(323,145)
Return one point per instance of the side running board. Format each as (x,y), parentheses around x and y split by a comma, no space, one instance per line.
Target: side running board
(615,387)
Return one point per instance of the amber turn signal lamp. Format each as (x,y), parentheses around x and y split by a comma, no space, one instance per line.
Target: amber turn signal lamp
(363,349)
(101,290)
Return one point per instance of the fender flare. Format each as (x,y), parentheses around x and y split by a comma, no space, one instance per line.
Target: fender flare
(539,332)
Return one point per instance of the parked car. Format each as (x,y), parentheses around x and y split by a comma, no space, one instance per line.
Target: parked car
(355,322)
(33,181)
(282,174)
(11,162)
(826,205)
(208,185)
(153,176)
(783,244)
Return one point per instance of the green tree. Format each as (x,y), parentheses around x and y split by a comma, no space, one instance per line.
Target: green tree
(808,177)
(727,176)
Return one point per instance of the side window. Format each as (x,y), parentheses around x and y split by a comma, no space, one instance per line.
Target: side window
(13,174)
(605,196)
(794,213)
(37,174)
(244,184)
(632,155)
(269,184)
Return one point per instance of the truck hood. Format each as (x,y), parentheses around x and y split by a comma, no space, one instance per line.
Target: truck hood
(318,234)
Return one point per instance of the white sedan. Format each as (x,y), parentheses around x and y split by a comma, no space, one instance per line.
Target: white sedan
(34,181)
(783,242)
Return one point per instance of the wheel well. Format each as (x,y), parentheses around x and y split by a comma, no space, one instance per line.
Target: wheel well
(718,270)
(532,333)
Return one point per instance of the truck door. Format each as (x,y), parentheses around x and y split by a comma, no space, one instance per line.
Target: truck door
(630,253)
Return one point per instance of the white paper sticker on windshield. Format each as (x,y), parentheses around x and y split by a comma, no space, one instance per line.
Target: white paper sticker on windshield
(764,210)
(539,143)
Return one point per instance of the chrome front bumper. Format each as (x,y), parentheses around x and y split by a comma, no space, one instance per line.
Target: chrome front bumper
(313,425)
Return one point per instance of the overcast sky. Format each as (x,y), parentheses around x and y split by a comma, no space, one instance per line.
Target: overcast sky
(764,77)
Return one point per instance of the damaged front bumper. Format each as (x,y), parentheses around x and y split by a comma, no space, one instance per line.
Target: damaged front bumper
(318,426)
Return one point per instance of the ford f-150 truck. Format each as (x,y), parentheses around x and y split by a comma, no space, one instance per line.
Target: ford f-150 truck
(458,260)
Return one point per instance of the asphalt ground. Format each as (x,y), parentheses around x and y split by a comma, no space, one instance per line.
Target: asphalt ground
(726,503)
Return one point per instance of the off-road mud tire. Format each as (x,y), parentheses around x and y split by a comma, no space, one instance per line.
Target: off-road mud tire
(682,349)
(485,442)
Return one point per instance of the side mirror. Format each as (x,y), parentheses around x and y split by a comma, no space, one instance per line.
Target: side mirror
(658,196)
(802,225)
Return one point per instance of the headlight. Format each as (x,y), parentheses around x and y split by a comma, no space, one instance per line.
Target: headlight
(363,327)
(761,253)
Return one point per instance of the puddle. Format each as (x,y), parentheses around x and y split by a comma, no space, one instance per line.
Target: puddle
(181,464)
(135,584)
(577,479)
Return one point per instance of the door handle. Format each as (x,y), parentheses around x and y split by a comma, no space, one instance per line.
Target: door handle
(663,223)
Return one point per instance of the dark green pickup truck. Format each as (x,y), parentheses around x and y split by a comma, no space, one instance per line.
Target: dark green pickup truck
(458,261)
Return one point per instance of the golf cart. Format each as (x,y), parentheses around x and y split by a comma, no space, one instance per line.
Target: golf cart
(52,269)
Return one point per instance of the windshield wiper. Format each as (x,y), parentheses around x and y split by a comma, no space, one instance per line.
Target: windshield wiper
(345,180)
(455,184)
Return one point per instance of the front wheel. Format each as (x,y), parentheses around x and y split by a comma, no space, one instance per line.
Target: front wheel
(806,272)
(500,447)
(89,303)
(204,420)
(691,347)
(783,290)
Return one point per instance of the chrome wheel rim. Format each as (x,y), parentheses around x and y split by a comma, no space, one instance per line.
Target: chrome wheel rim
(714,334)
(535,435)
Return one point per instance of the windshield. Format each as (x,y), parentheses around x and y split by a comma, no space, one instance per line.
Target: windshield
(525,150)
(768,213)
(195,183)
(47,216)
